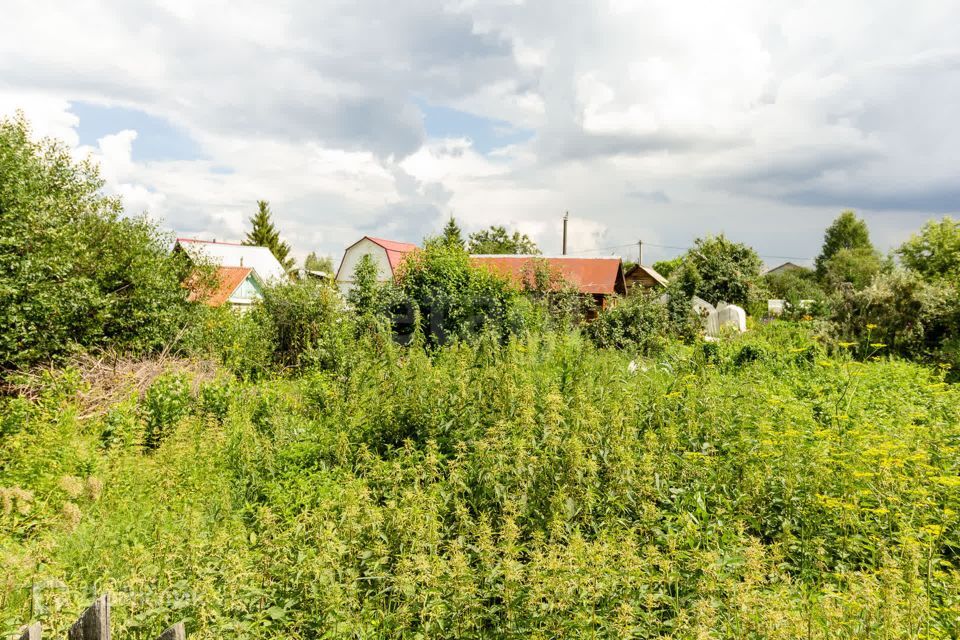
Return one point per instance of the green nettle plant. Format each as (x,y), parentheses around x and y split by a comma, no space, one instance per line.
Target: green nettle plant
(165,402)
(538,487)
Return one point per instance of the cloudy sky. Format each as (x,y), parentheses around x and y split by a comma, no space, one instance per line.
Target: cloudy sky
(659,121)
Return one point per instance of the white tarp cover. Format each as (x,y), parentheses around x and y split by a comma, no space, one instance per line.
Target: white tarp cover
(724,317)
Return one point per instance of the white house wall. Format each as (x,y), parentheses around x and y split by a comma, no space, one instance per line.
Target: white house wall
(351,258)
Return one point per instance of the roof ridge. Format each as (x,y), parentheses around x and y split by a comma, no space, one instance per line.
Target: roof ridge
(537,255)
(232,244)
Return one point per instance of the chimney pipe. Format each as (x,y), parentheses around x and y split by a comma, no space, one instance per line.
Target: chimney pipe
(566,216)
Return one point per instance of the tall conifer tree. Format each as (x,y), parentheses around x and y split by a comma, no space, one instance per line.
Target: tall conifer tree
(264,234)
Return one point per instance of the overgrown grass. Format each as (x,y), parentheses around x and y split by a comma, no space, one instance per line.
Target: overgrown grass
(755,487)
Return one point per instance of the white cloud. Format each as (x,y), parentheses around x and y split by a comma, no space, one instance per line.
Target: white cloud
(662,120)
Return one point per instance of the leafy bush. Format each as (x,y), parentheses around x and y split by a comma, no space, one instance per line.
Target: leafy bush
(638,323)
(794,285)
(847,233)
(902,312)
(307,323)
(934,252)
(74,273)
(454,299)
(718,270)
(857,267)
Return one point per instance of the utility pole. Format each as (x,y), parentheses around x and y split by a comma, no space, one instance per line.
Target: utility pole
(639,251)
(566,216)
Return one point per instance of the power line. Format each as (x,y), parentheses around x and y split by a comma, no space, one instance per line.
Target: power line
(668,246)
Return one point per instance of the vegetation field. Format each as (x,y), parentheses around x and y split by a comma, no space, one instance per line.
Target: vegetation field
(759,487)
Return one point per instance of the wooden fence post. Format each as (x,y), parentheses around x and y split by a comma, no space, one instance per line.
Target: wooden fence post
(31,632)
(176,632)
(94,624)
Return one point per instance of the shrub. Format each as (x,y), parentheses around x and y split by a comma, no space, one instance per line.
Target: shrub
(794,285)
(638,323)
(555,304)
(74,273)
(934,252)
(846,233)
(308,324)
(902,312)
(455,300)
(718,270)
(858,267)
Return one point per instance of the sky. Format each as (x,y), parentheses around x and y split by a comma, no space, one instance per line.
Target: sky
(659,121)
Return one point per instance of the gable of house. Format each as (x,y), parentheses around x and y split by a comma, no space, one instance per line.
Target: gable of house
(645,276)
(387,255)
(237,286)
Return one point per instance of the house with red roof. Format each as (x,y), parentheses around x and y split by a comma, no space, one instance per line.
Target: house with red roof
(241,272)
(599,278)
(386,254)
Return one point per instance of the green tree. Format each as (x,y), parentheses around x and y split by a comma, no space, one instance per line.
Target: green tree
(846,232)
(366,286)
(454,299)
(496,240)
(265,234)
(315,263)
(667,267)
(74,272)
(452,234)
(719,270)
(854,266)
(794,285)
(934,252)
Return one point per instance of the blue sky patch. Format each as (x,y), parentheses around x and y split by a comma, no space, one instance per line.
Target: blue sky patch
(486,134)
(157,138)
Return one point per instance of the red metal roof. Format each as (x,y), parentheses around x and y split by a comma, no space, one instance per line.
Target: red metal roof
(588,275)
(396,251)
(228,279)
